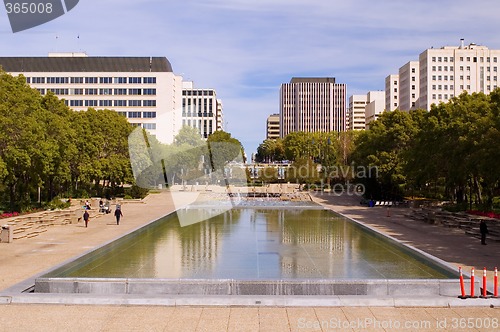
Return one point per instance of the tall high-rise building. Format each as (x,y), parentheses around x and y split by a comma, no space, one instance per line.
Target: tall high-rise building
(201,109)
(142,89)
(273,126)
(375,106)
(409,86)
(312,105)
(357,112)
(449,71)
(441,74)
(391,92)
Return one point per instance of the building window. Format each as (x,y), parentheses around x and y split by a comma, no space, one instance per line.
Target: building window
(91,80)
(134,103)
(120,103)
(38,80)
(134,80)
(451,59)
(468,59)
(149,115)
(105,80)
(413,95)
(395,82)
(90,103)
(451,68)
(434,87)
(124,114)
(433,77)
(445,77)
(468,68)
(149,92)
(134,115)
(149,126)
(91,92)
(134,92)
(412,71)
(461,58)
(42,91)
(76,103)
(494,59)
(462,68)
(120,80)
(59,91)
(57,80)
(120,92)
(149,103)
(395,89)
(149,80)
(439,59)
(434,96)
(468,77)
(105,103)
(105,91)
(439,68)
(468,87)
(78,91)
(76,80)
(461,87)
(433,59)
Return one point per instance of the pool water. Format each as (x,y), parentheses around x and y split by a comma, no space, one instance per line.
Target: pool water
(255,244)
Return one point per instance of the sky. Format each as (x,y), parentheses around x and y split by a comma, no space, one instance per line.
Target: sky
(244,49)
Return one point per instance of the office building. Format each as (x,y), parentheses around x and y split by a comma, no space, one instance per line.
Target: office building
(409,86)
(375,106)
(357,112)
(392,92)
(450,70)
(441,74)
(143,89)
(312,105)
(273,126)
(201,109)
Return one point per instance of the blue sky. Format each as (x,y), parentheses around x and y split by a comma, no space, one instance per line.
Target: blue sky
(246,48)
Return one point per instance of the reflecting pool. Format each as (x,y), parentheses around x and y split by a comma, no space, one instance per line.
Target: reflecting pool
(255,243)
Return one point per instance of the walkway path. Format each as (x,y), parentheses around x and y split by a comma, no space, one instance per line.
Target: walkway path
(27,257)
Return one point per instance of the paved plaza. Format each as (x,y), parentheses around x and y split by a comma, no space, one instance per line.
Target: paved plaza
(25,258)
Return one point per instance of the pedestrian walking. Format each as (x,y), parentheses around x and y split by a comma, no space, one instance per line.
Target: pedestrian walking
(483,229)
(118,214)
(86,217)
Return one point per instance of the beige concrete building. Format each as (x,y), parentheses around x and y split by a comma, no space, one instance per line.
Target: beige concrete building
(392,92)
(441,74)
(201,109)
(273,126)
(409,86)
(357,112)
(450,70)
(143,89)
(312,105)
(375,106)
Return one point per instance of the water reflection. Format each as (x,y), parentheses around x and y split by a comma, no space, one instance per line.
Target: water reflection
(253,243)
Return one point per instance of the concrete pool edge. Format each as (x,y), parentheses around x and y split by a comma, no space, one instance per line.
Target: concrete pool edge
(233,287)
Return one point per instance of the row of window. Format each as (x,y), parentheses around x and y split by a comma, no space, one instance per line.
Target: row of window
(451,68)
(138,115)
(111,103)
(91,80)
(198,114)
(468,59)
(149,126)
(197,93)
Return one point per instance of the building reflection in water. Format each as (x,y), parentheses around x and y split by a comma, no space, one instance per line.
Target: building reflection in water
(254,243)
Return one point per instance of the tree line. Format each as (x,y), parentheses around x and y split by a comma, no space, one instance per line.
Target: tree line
(47,150)
(450,152)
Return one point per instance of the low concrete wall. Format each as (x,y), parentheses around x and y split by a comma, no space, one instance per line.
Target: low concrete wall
(389,287)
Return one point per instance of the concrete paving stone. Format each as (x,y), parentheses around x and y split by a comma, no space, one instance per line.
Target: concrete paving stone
(303,319)
(449,319)
(214,319)
(362,319)
(332,319)
(139,319)
(273,319)
(184,319)
(243,320)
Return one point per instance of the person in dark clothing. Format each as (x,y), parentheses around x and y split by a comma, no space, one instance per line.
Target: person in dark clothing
(483,229)
(118,215)
(86,217)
